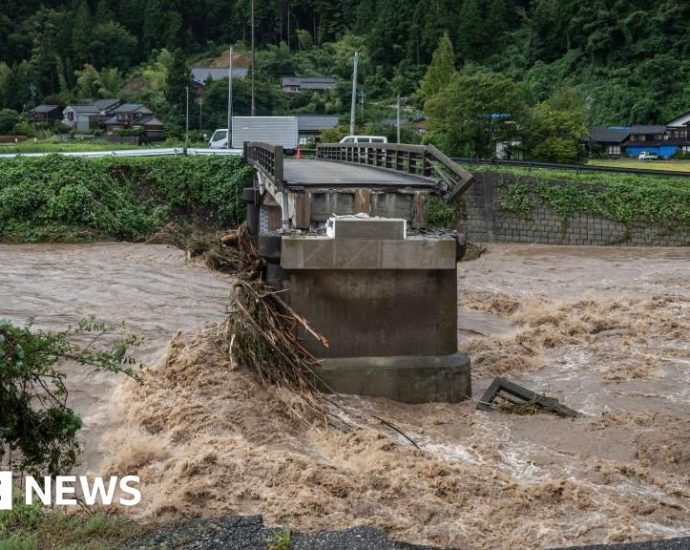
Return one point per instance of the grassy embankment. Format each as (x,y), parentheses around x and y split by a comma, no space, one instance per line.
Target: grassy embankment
(72,199)
(627,198)
(671,165)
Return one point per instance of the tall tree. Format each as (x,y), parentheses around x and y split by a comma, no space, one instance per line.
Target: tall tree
(478,108)
(82,29)
(471,31)
(441,70)
(178,80)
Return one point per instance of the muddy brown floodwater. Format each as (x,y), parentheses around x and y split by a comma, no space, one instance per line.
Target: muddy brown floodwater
(151,288)
(606,330)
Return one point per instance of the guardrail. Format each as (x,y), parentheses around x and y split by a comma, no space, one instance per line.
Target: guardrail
(153,152)
(266,158)
(575,167)
(420,160)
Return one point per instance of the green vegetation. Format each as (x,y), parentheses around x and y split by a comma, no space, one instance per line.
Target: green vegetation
(35,418)
(441,213)
(61,198)
(555,66)
(29,527)
(626,198)
(281,540)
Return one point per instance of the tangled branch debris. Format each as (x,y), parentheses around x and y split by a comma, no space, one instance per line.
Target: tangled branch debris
(230,252)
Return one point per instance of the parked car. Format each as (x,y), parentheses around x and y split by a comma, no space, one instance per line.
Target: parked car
(364,139)
(647,155)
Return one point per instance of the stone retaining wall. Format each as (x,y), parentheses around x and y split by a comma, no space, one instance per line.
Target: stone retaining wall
(483,220)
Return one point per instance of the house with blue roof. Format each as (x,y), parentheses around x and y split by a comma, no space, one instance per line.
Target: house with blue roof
(663,140)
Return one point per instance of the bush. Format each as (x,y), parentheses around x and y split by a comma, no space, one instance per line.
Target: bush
(123,132)
(63,198)
(24,128)
(35,418)
(9,118)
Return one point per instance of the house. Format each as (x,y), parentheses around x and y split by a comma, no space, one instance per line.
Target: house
(309,127)
(133,116)
(663,140)
(652,138)
(105,108)
(82,118)
(45,114)
(610,138)
(678,129)
(297,84)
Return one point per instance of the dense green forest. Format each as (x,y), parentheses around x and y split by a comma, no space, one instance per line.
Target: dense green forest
(554,66)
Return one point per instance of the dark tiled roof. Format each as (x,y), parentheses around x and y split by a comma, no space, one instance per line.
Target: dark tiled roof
(310,82)
(129,108)
(105,104)
(84,109)
(306,123)
(201,74)
(609,135)
(648,129)
(44,108)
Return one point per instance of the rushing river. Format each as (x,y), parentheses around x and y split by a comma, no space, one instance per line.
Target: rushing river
(606,330)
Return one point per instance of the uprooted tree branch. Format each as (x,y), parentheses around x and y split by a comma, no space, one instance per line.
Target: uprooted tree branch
(35,420)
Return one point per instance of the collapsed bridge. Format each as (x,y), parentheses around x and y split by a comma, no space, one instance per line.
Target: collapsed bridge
(347,236)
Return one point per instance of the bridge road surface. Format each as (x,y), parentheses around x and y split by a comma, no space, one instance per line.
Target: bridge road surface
(325,173)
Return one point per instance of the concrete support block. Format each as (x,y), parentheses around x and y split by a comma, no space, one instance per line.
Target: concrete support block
(377,312)
(409,379)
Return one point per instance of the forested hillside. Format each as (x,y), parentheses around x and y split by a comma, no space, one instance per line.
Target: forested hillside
(614,62)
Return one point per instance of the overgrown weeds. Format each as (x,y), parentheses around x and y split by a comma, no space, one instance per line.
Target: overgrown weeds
(59,198)
(29,527)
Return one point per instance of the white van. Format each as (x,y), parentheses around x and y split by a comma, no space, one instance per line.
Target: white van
(219,139)
(364,139)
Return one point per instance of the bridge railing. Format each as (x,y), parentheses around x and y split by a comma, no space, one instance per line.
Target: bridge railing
(267,158)
(425,161)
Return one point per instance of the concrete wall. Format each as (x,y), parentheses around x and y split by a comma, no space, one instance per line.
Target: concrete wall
(484,221)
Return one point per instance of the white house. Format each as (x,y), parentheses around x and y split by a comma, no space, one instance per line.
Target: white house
(82,118)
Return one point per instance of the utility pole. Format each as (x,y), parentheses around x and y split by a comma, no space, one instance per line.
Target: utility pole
(253,65)
(397,118)
(186,135)
(229,100)
(354,95)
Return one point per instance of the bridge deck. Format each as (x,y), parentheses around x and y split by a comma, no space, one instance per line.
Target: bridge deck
(324,173)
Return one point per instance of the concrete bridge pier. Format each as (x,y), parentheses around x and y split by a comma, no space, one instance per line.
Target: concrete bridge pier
(388,307)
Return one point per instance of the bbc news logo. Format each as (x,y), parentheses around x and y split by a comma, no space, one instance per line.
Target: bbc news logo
(62,490)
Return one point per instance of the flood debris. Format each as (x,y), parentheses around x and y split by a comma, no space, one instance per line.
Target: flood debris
(522,400)
(227,252)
